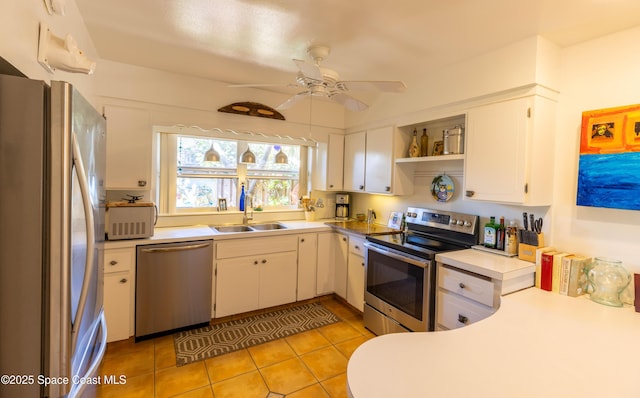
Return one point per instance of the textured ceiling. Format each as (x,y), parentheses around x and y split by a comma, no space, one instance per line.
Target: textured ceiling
(253,41)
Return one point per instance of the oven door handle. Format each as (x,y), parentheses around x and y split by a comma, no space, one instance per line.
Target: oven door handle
(407,258)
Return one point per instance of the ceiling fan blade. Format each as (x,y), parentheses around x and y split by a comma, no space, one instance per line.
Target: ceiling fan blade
(293,100)
(348,101)
(386,86)
(309,70)
(249,85)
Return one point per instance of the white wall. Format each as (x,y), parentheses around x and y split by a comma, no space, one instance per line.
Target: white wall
(19,26)
(598,74)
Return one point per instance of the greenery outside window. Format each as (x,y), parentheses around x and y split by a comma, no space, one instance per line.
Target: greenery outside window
(189,183)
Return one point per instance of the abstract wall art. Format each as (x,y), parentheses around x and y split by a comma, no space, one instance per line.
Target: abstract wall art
(609,165)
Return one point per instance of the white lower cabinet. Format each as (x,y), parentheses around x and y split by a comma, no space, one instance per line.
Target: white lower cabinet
(119,285)
(265,275)
(340,261)
(463,297)
(307,265)
(325,270)
(355,273)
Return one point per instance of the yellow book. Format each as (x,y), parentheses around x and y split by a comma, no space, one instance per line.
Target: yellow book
(557,266)
(565,272)
(539,252)
(577,277)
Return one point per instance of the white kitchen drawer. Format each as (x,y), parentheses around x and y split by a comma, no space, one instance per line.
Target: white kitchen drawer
(474,287)
(454,311)
(256,246)
(356,246)
(118,260)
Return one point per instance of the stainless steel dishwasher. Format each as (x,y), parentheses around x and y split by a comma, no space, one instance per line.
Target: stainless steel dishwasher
(173,286)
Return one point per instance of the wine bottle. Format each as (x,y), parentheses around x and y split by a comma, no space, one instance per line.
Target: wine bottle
(414,149)
(490,233)
(500,235)
(424,143)
(242,198)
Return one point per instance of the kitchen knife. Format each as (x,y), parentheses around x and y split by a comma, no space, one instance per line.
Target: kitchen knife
(532,219)
(525,221)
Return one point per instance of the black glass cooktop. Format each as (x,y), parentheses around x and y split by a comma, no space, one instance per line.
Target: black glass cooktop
(415,244)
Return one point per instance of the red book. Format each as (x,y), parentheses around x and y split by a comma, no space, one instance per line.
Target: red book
(636,281)
(546,270)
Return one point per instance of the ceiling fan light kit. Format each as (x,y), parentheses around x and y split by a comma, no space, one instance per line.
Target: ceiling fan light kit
(324,82)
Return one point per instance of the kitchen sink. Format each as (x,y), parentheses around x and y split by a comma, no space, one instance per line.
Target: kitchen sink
(247,228)
(232,228)
(267,226)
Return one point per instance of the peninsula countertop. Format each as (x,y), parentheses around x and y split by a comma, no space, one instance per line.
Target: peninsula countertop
(538,344)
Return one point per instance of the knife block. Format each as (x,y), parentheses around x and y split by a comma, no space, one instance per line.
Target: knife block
(528,252)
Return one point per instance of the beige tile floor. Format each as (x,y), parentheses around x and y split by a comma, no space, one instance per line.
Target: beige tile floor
(307,365)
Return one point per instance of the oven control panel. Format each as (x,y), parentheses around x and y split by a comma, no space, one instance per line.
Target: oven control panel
(448,220)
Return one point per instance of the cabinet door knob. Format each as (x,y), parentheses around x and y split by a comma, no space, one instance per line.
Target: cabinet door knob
(302,240)
(264,261)
(363,263)
(361,187)
(331,186)
(113,262)
(123,280)
(387,189)
(142,183)
(469,194)
(255,262)
(344,239)
(357,247)
(462,285)
(462,319)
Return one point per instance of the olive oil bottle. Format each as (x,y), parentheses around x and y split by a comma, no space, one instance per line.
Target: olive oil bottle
(424,143)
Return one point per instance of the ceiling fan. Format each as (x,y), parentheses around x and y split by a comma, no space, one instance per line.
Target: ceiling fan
(320,81)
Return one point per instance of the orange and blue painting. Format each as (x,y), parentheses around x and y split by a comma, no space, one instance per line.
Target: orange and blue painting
(609,166)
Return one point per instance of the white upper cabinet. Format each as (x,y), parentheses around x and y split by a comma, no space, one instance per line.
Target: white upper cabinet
(327,164)
(129,146)
(354,162)
(369,166)
(510,151)
(379,160)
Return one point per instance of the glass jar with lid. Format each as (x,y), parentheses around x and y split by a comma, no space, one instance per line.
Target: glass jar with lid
(608,278)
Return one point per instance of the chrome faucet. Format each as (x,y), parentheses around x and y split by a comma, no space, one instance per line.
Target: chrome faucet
(245,217)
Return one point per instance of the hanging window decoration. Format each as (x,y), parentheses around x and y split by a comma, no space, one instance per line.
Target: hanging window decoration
(252,109)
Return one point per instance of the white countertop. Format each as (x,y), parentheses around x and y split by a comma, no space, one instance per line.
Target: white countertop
(200,232)
(538,344)
(492,265)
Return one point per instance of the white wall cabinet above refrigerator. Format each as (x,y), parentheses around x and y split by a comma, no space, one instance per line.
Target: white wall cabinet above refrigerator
(510,151)
(129,147)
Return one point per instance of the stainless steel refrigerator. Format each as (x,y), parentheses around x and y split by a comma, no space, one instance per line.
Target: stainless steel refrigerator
(52,164)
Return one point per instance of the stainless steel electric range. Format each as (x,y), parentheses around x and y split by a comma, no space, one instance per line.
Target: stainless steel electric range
(400,269)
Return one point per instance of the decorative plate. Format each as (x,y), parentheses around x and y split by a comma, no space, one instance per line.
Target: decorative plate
(442,188)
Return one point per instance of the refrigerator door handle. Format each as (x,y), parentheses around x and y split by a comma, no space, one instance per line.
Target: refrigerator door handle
(91,371)
(88,212)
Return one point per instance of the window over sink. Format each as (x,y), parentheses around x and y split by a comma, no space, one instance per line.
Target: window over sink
(191,181)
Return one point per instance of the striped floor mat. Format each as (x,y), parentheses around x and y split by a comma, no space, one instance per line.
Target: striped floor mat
(210,341)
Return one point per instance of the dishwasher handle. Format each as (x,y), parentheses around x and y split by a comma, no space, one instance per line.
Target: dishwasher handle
(175,248)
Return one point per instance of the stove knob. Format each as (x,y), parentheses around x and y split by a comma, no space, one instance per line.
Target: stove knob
(453,221)
(467,224)
(460,222)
